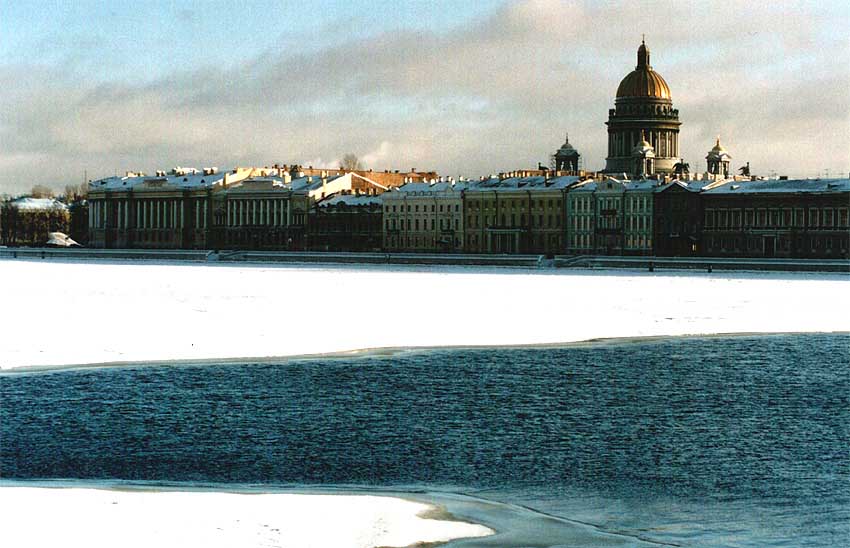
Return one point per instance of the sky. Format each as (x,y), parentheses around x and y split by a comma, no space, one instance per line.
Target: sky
(91,89)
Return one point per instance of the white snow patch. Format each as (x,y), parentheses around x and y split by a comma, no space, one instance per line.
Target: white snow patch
(143,311)
(97,518)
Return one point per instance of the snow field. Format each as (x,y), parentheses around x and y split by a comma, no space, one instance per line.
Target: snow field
(37,517)
(81,313)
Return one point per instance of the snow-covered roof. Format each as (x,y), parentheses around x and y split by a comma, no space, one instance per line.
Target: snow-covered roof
(781,185)
(272,183)
(585,186)
(311,182)
(190,178)
(642,185)
(38,204)
(351,200)
(425,188)
(535,182)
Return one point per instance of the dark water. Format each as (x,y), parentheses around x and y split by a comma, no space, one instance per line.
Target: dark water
(711,442)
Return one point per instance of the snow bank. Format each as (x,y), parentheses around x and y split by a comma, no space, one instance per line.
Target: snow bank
(106,518)
(143,311)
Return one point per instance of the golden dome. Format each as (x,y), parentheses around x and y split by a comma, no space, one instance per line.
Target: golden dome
(643,81)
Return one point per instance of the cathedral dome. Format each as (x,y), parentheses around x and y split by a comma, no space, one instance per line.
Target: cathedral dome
(643,81)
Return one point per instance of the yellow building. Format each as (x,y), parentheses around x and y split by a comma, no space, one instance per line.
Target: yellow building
(424,217)
(516,215)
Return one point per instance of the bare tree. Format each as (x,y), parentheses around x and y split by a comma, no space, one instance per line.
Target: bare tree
(350,162)
(41,191)
(74,193)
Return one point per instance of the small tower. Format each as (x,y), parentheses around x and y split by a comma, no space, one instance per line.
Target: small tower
(566,158)
(644,157)
(718,160)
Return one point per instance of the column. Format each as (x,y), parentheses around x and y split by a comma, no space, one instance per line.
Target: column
(204,205)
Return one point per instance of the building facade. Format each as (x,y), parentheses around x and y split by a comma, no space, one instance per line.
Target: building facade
(346,222)
(171,210)
(523,215)
(424,217)
(777,218)
(638,213)
(246,208)
(28,221)
(677,227)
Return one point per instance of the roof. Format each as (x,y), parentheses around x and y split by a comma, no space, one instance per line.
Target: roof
(38,204)
(567,150)
(536,182)
(187,178)
(427,188)
(643,81)
(718,152)
(312,182)
(782,185)
(351,200)
(695,185)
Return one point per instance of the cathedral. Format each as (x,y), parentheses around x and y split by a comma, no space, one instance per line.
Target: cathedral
(643,126)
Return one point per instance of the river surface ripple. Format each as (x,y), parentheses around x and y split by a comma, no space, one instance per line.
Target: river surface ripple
(735,441)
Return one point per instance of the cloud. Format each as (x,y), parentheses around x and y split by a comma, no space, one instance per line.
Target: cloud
(495,94)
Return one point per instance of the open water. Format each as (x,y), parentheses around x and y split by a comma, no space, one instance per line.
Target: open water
(736,441)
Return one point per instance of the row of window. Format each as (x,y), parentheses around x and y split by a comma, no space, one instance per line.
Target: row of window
(474,205)
(585,241)
(782,243)
(428,242)
(401,208)
(539,221)
(404,224)
(776,218)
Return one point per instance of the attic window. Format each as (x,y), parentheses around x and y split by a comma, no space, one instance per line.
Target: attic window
(185,179)
(203,181)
